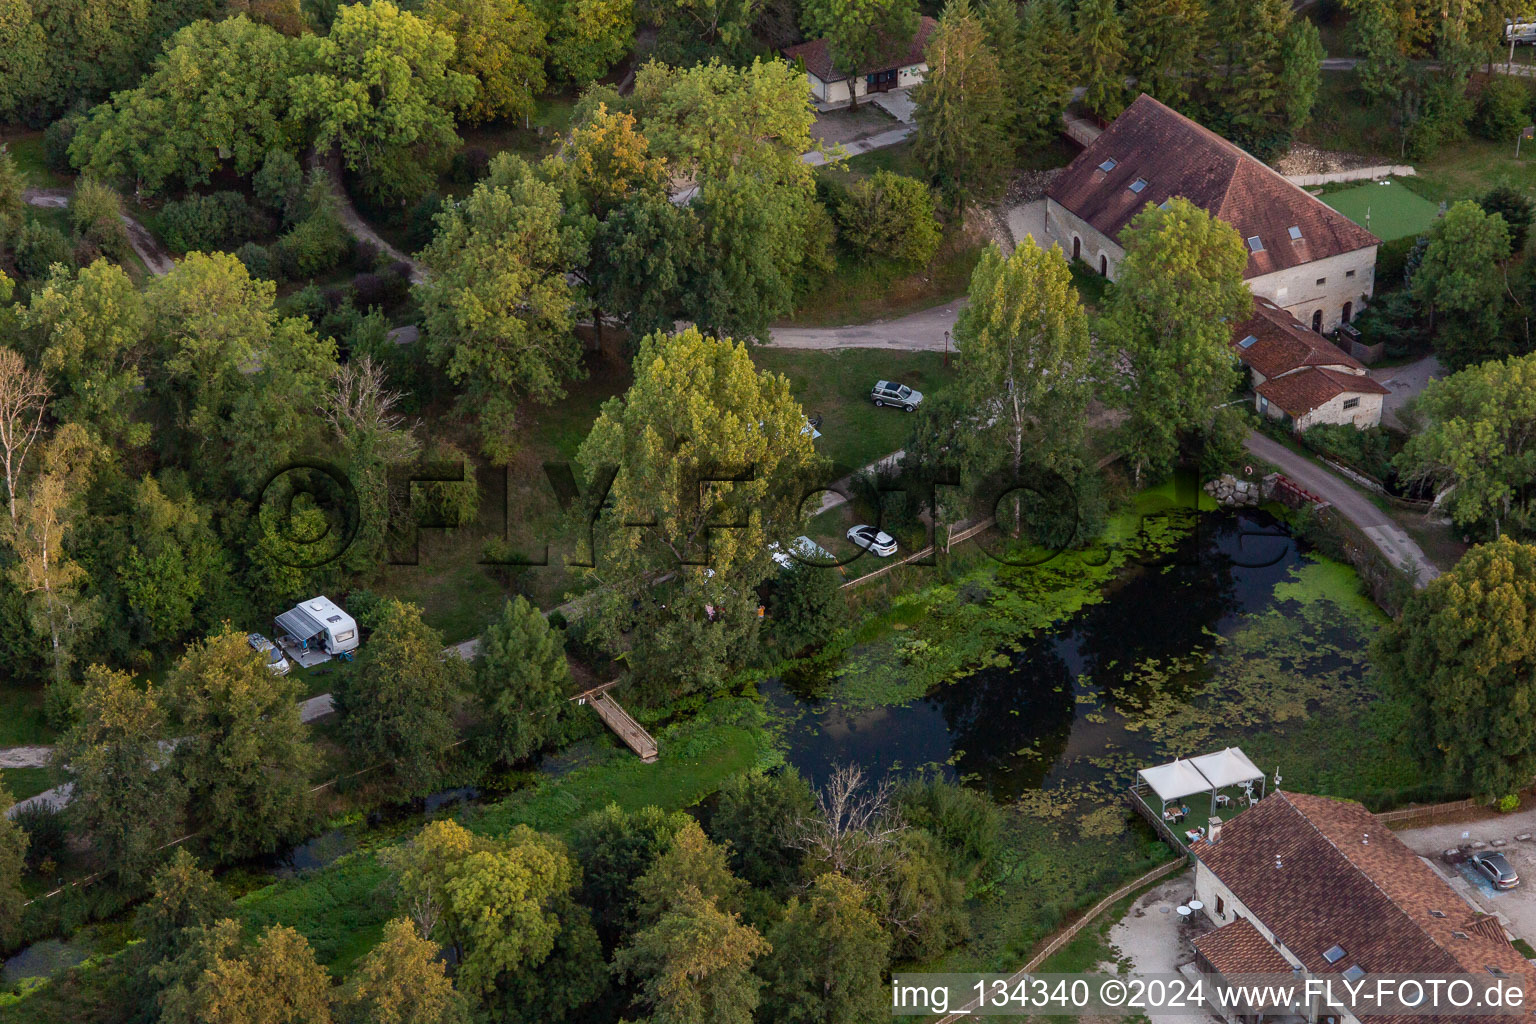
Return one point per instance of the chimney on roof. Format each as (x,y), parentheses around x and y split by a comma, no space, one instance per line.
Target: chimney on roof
(1213,830)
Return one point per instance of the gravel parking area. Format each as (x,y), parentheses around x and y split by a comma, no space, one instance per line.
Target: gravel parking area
(1515,908)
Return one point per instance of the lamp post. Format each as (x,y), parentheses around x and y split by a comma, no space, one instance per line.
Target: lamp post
(946,350)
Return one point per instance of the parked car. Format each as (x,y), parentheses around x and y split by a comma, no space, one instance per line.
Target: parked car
(276,660)
(803,549)
(873,540)
(888,392)
(1496,869)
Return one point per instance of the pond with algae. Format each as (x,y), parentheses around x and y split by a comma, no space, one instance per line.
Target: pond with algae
(1050,685)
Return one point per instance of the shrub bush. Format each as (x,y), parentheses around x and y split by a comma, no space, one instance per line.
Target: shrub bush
(1511,204)
(469,166)
(279,184)
(1369,451)
(56,140)
(444,503)
(889,216)
(1502,109)
(806,608)
(96,211)
(315,245)
(39,246)
(420,223)
(258,261)
(47,836)
(205,223)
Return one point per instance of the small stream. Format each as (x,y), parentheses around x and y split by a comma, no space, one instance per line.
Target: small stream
(1025,726)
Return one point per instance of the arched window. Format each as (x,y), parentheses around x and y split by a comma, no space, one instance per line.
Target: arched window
(1104,265)
(1077,248)
(1349,310)
(1317,321)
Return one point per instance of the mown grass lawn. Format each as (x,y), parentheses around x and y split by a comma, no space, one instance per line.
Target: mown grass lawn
(835,383)
(26,149)
(858,291)
(1388,211)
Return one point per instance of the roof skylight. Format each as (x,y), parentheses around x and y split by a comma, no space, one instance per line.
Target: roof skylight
(1109,165)
(1138,185)
(1255,243)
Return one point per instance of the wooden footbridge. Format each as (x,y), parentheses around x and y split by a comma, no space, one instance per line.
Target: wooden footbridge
(619,720)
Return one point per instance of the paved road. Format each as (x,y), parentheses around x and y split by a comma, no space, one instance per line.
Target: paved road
(1405,382)
(1392,539)
(155,258)
(917,332)
(1516,910)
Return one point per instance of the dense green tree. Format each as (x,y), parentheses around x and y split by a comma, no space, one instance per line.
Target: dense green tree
(176,572)
(737,134)
(1179,289)
(806,607)
(401,981)
(891,216)
(964,821)
(1503,108)
(694,964)
(275,981)
(1024,362)
(829,958)
(44,515)
(246,757)
(1246,88)
(13,184)
(962,110)
(1462,274)
(89,331)
(587,37)
(694,31)
(1515,208)
(1163,48)
(1102,57)
(858,32)
(13,858)
(112,754)
(1478,443)
(385,94)
(1301,72)
(219,96)
(497,307)
(689,863)
(749,819)
(641,262)
(522,680)
(1383,63)
(23,53)
(493,901)
(500,43)
(182,897)
(615,847)
(698,411)
(604,163)
(1462,656)
(397,707)
(919,897)
(1042,71)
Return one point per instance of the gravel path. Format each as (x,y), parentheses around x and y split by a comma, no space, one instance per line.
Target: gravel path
(1393,540)
(155,258)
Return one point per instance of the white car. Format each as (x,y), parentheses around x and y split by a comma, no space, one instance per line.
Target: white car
(873,540)
(277,662)
(803,550)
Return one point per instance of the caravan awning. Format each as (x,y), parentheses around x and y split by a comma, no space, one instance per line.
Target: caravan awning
(1174,780)
(1229,767)
(299,624)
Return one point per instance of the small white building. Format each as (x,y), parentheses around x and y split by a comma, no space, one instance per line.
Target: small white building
(318,624)
(901,67)
(1308,258)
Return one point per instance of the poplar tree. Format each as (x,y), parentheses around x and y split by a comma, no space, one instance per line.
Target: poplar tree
(961,110)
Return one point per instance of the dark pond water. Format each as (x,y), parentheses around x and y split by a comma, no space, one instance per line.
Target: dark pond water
(1022,727)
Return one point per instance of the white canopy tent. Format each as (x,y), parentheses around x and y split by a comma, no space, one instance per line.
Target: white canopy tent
(1207,773)
(1174,781)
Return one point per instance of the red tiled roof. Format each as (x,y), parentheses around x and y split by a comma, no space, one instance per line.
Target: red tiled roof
(1239,948)
(1284,345)
(1319,872)
(817,55)
(1305,390)
(1174,156)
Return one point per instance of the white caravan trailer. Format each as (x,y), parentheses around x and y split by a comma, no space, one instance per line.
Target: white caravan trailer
(319,623)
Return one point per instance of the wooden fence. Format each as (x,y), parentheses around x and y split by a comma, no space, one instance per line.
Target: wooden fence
(1428,814)
(1068,934)
(927,552)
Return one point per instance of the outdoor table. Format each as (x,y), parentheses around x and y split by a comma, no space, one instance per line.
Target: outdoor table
(1196,905)
(1184,913)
